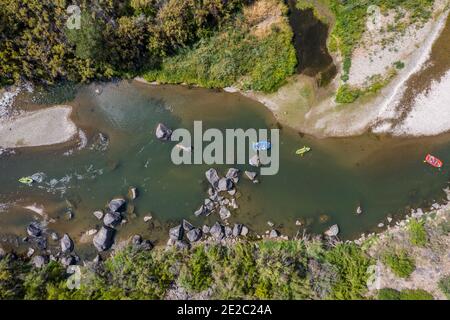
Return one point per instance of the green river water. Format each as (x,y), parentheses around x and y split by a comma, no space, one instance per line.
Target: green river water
(386,176)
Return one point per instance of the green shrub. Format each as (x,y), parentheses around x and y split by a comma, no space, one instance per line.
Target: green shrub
(400,263)
(418,294)
(417,232)
(346,94)
(444,285)
(388,294)
(196,274)
(351,264)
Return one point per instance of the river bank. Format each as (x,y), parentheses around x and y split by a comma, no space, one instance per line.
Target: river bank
(37,128)
(306,267)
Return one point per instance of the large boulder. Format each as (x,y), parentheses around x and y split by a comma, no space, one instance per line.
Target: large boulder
(233,174)
(112,219)
(66,243)
(176,233)
(117,205)
(212,177)
(237,229)
(194,235)
(68,260)
(104,239)
(187,226)
(200,211)
(34,229)
(162,132)
(225,184)
(217,231)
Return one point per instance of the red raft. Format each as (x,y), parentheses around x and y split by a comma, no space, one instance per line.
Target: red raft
(433,161)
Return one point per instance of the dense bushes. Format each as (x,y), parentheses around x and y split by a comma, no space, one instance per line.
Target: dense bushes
(400,263)
(246,270)
(116,38)
(417,232)
(406,294)
(233,56)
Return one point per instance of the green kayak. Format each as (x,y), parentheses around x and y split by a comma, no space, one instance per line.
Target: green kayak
(303,150)
(26,180)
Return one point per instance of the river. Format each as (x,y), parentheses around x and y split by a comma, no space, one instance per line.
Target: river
(385,175)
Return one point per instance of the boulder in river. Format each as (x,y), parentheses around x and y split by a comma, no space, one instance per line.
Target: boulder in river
(200,211)
(217,231)
(251,175)
(66,243)
(2,253)
(163,132)
(34,229)
(194,235)
(112,219)
(104,239)
(176,233)
(332,231)
(117,205)
(233,174)
(358,210)
(225,184)
(136,240)
(187,226)
(132,193)
(212,177)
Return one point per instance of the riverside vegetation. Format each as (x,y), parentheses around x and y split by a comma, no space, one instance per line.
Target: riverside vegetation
(304,268)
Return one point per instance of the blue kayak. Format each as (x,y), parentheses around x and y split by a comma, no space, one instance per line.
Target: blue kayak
(261,145)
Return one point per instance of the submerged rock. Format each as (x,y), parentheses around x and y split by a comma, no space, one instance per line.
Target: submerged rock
(176,233)
(212,177)
(104,239)
(66,243)
(117,205)
(200,211)
(34,229)
(162,132)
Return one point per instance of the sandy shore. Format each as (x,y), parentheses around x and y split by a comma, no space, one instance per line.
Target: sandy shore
(38,128)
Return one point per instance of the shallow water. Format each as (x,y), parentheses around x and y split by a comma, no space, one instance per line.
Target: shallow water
(385,176)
